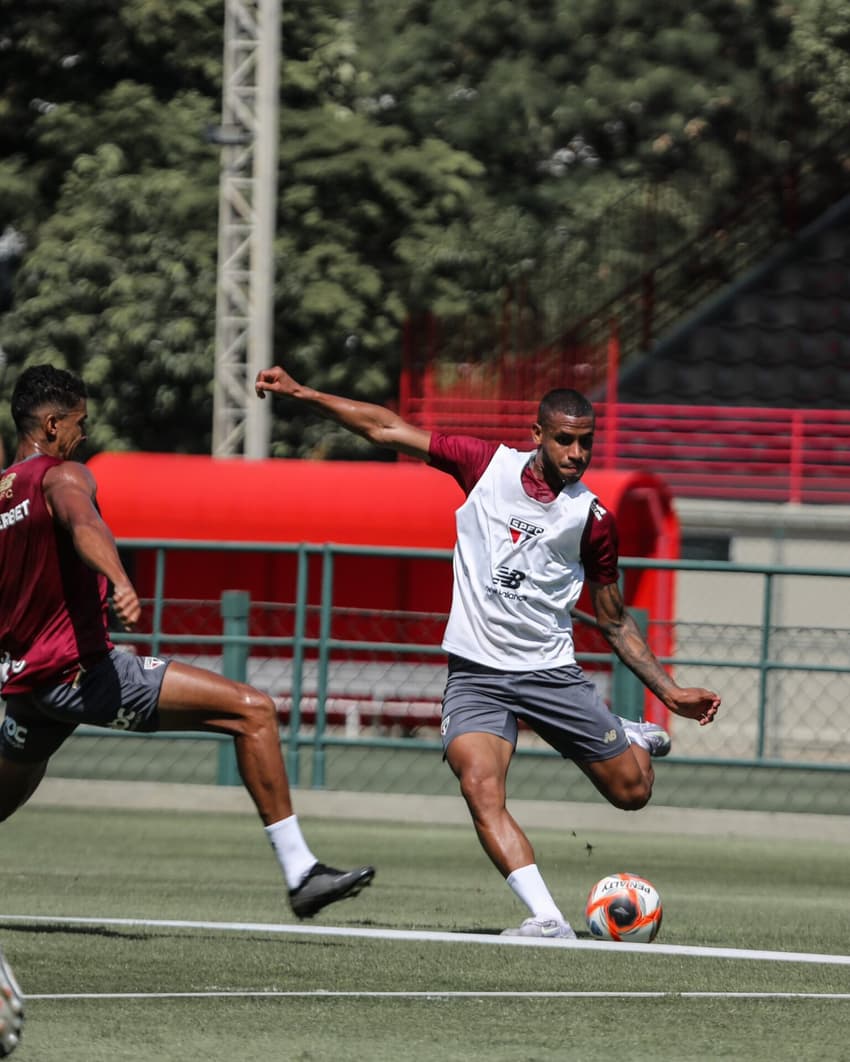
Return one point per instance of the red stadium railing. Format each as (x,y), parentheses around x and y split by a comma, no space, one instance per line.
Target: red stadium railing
(752,453)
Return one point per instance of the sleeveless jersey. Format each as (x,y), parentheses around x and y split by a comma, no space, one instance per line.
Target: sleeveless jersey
(517,571)
(52,605)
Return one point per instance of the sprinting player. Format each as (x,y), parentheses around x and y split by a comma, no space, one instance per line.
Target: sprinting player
(528,537)
(58,666)
(11,1009)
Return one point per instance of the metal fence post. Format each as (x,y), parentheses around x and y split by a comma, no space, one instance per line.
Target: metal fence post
(235,607)
(764,657)
(626,688)
(325,613)
(158,600)
(293,758)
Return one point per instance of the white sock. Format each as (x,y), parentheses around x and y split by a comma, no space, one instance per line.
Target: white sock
(293,854)
(529,886)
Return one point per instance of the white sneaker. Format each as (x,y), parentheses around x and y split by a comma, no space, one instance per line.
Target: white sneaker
(649,736)
(11,1010)
(542,927)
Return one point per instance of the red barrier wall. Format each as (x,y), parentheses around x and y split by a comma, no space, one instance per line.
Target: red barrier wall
(366,503)
(200,498)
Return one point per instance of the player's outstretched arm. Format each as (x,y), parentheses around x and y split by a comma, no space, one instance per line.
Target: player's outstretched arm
(625,638)
(69,490)
(378,424)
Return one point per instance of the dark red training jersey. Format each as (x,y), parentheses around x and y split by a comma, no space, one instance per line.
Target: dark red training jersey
(52,605)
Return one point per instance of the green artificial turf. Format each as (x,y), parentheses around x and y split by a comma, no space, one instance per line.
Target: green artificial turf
(720,893)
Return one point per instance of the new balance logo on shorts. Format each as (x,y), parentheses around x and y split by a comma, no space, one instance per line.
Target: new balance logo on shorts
(151,663)
(126,719)
(609,736)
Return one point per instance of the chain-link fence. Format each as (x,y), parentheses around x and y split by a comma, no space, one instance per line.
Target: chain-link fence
(358,694)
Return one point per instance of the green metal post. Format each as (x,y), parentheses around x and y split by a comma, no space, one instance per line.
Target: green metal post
(293,764)
(235,607)
(764,656)
(158,594)
(627,690)
(324,665)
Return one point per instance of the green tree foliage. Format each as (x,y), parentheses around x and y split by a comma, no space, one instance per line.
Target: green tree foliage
(574,108)
(363,214)
(542,89)
(821,48)
(432,155)
(108,180)
(119,281)
(119,284)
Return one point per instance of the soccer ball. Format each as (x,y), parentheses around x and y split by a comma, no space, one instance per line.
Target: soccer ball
(623,907)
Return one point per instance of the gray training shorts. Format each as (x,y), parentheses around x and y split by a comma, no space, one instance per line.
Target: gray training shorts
(559,704)
(120,691)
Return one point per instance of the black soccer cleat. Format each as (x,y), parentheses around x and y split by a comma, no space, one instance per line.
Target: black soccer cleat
(324,885)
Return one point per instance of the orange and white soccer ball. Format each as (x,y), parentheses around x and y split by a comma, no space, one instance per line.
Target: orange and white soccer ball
(624,907)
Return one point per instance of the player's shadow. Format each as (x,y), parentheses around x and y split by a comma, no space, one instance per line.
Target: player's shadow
(88,931)
(487,931)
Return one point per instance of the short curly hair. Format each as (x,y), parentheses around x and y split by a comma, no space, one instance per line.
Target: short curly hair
(44,385)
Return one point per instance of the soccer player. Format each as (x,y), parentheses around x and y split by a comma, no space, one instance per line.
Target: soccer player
(11,1009)
(58,666)
(528,537)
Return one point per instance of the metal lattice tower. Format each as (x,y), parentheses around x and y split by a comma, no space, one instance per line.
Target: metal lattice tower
(246,225)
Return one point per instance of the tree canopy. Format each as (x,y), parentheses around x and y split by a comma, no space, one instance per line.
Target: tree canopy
(432,155)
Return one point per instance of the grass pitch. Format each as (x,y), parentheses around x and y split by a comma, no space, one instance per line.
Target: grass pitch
(126,992)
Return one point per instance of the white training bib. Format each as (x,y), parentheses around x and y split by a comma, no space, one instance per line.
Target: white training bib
(517,571)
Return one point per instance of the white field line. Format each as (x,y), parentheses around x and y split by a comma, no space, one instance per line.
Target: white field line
(418,935)
(316,993)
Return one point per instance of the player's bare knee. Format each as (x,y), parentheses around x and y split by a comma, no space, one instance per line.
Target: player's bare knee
(635,803)
(257,710)
(633,797)
(481,790)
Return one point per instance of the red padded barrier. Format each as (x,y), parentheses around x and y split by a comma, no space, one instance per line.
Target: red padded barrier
(199,498)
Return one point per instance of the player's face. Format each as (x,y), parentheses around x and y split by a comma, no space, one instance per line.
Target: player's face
(564,447)
(70,430)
